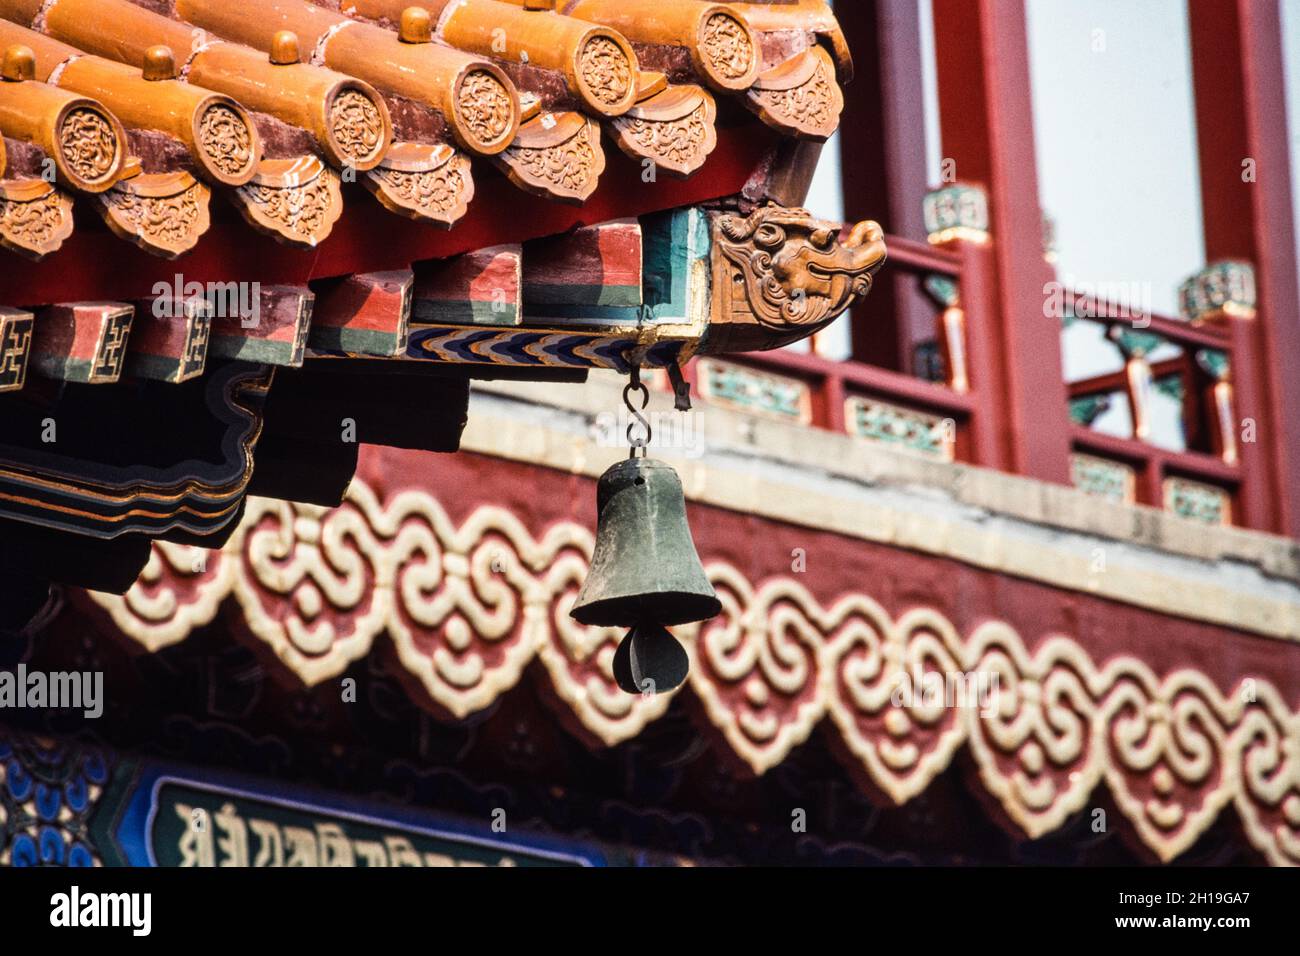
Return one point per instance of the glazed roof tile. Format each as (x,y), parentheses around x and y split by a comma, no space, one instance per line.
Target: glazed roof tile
(275,103)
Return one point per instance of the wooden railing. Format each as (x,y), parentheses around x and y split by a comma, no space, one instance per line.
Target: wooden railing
(1203,476)
(958,416)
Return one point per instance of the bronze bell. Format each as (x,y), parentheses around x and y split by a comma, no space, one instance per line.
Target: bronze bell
(645,573)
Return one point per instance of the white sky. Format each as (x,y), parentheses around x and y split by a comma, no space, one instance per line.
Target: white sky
(1115,131)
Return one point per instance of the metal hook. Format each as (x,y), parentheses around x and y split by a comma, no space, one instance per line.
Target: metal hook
(681,388)
(636,385)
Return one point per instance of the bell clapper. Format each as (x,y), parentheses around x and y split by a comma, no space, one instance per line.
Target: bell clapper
(649,660)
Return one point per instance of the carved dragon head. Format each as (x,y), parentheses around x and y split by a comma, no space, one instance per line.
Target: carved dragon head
(795,274)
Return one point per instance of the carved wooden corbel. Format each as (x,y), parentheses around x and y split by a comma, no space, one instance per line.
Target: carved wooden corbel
(779,275)
(653,290)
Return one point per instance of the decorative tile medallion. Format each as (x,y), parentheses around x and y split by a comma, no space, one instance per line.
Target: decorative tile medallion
(758,393)
(1104,478)
(1198,501)
(900,427)
(956,212)
(1222,288)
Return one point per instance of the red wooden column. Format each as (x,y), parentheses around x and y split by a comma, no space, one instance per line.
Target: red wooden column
(986,120)
(882,153)
(1238,78)
(979,298)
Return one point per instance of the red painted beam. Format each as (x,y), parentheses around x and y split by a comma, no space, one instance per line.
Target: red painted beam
(366,313)
(596,265)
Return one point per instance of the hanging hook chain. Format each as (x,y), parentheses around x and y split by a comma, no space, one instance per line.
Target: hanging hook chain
(637,442)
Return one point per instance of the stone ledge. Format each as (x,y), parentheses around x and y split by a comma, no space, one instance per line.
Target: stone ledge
(1019,526)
